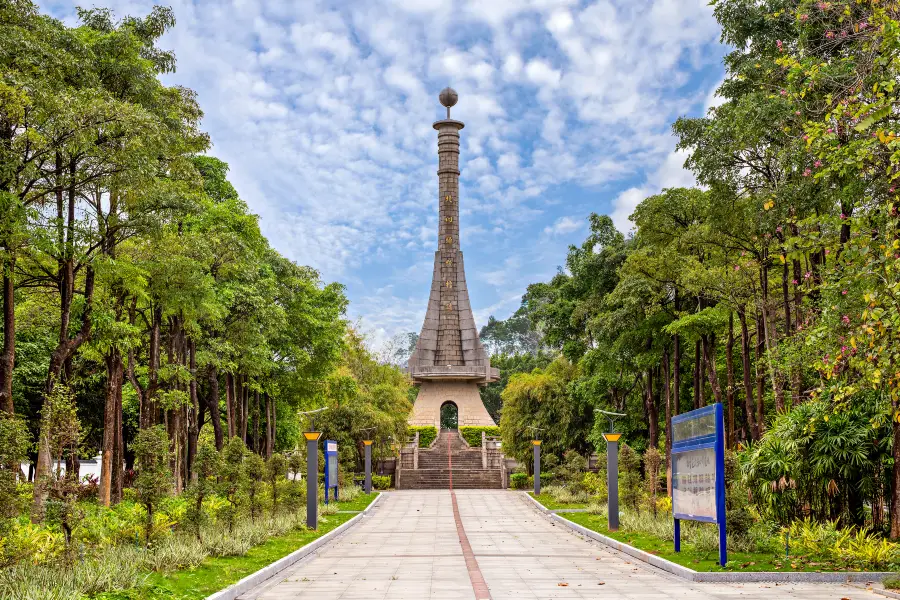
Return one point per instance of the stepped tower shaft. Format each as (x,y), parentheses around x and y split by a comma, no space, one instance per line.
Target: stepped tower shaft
(449,361)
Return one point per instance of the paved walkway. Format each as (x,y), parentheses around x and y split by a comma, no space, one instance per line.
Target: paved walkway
(408,548)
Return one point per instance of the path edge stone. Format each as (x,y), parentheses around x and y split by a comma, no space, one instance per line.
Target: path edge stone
(254,579)
(707,577)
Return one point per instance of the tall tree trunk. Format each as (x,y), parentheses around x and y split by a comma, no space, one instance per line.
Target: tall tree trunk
(256,446)
(8,356)
(213,405)
(760,378)
(245,406)
(676,377)
(194,420)
(698,384)
(729,364)
(110,420)
(64,349)
(230,402)
(753,428)
(709,364)
(270,426)
(667,390)
(895,488)
(650,410)
(118,474)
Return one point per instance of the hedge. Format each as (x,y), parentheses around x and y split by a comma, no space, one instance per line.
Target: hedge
(427,434)
(472,434)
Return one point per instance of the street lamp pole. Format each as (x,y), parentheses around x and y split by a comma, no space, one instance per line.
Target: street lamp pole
(612,468)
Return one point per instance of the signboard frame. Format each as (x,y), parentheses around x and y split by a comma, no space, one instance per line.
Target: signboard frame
(331,462)
(703,440)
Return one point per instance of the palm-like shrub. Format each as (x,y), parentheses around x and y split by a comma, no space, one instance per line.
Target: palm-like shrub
(154,480)
(819,461)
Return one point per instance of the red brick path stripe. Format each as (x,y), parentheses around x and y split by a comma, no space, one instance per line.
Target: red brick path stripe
(478,584)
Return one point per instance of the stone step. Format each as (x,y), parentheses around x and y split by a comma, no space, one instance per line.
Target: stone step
(411,479)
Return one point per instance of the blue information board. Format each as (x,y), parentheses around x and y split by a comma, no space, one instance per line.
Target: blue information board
(698,471)
(331,469)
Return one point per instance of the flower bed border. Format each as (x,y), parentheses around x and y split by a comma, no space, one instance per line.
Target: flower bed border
(713,577)
(254,579)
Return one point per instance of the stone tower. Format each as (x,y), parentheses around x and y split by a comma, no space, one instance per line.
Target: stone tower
(449,362)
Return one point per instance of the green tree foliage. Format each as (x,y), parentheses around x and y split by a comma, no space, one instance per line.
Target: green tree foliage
(366,400)
(207,465)
(254,473)
(13,450)
(132,272)
(153,480)
(232,477)
(276,468)
(540,399)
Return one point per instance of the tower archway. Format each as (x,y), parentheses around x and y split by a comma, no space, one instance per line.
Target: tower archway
(449,415)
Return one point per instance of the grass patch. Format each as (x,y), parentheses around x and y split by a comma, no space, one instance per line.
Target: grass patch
(698,560)
(215,574)
(549,502)
(359,503)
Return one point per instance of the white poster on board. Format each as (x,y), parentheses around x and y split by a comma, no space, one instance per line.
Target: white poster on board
(694,483)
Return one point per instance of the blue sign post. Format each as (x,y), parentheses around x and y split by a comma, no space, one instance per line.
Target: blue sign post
(331,469)
(698,471)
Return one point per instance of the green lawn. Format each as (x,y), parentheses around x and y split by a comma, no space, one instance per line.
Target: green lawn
(360,503)
(217,573)
(552,504)
(703,561)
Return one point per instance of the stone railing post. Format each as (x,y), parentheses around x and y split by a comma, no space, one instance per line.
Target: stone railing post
(416,453)
(484,463)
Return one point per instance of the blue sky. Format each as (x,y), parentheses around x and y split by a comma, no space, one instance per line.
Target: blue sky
(323,110)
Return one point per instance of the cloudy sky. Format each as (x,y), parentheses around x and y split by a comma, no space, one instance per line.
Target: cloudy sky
(323,110)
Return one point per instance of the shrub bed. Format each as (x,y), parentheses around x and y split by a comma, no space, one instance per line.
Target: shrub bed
(472,434)
(427,434)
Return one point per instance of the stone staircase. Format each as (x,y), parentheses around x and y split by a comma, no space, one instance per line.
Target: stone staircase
(450,454)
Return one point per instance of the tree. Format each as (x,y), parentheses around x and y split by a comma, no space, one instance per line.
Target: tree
(153,481)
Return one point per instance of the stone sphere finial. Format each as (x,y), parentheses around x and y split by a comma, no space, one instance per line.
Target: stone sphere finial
(448,97)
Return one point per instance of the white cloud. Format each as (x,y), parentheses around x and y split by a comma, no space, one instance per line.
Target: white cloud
(323,110)
(564,225)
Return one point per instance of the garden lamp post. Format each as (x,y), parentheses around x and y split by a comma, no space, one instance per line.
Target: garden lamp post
(312,469)
(367,444)
(612,468)
(536,449)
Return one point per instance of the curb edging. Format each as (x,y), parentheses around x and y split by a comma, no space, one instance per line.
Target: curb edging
(709,577)
(254,579)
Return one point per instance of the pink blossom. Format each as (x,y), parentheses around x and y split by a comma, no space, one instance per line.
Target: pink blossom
(843,348)
(784,92)
(807,173)
(797,113)
(803,18)
(875,135)
(863,25)
(808,275)
(845,319)
(843,292)
(827,251)
(737,268)
(778,229)
(891,190)
(822,6)
(805,137)
(843,216)
(794,281)
(829,130)
(817,164)
(778,43)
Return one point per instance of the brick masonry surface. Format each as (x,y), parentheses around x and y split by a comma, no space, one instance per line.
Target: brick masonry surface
(464,394)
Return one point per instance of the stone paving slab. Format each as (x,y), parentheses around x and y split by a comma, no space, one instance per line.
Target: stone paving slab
(408,548)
